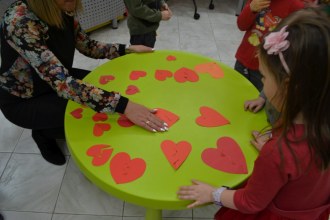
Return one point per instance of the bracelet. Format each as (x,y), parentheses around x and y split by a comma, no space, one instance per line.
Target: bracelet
(217,195)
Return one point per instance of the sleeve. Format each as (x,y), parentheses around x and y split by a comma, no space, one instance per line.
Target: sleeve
(96,49)
(297,5)
(247,18)
(28,36)
(139,10)
(265,182)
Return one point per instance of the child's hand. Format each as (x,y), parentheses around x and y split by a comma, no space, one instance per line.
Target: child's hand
(164,7)
(166,15)
(259,5)
(254,105)
(200,192)
(140,49)
(260,139)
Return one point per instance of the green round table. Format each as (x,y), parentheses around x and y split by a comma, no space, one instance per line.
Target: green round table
(156,188)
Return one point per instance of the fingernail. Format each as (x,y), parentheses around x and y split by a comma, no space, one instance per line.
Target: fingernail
(154,130)
(166,128)
(162,129)
(165,124)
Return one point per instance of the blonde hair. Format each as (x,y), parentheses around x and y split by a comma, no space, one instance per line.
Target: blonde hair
(49,12)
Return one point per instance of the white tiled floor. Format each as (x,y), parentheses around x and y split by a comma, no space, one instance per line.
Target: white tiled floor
(32,189)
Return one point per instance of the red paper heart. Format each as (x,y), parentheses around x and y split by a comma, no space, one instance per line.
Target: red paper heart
(170,58)
(135,75)
(210,118)
(100,117)
(169,117)
(212,68)
(176,154)
(99,128)
(131,90)
(184,74)
(161,75)
(227,157)
(100,153)
(123,121)
(105,79)
(77,113)
(124,169)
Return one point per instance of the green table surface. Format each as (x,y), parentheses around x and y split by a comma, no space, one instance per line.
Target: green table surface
(157,188)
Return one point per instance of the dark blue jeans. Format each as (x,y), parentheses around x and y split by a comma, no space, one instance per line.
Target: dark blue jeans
(148,39)
(254,76)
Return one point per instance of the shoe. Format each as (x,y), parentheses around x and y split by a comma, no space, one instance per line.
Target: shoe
(48,148)
(1,217)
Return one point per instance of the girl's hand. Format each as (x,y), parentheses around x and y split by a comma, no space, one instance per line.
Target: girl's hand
(144,117)
(140,49)
(200,192)
(259,5)
(259,139)
(254,105)
(164,7)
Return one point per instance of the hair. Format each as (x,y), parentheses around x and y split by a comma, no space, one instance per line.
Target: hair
(49,12)
(306,89)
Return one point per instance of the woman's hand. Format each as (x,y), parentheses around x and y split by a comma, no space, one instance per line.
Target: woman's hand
(259,139)
(200,192)
(259,5)
(140,49)
(144,117)
(254,105)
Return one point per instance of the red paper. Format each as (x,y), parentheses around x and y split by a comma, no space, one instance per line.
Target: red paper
(124,169)
(135,75)
(170,58)
(101,153)
(105,79)
(167,116)
(184,74)
(211,68)
(100,128)
(227,157)
(77,113)
(176,154)
(210,118)
(123,121)
(131,90)
(161,75)
(100,117)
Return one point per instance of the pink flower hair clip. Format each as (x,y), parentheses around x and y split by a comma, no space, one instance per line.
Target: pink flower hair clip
(276,43)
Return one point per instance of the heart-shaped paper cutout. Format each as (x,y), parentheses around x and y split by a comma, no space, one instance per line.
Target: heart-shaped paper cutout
(131,90)
(184,74)
(210,118)
(105,79)
(161,75)
(99,128)
(100,117)
(169,117)
(124,169)
(101,153)
(176,154)
(227,157)
(211,68)
(77,113)
(170,58)
(135,75)
(123,121)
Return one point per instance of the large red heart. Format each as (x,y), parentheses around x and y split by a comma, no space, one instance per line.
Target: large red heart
(170,58)
(161,75)
(227,157)
(167,116)
(131,90)
(100,117)
(105,79)
(124,170)
(99,128)
(135,75)
(77,113)
(100,153)
(212,68)
(123,121)
(184,74)
(176,154)
(210,118)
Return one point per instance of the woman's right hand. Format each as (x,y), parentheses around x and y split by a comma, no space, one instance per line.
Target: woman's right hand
(144,117)
(254,105)
(140,49)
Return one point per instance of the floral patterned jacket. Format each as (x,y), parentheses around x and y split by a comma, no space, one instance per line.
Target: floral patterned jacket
(24,32)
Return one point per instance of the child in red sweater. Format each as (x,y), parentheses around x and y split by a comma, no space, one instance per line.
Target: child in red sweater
(291,176)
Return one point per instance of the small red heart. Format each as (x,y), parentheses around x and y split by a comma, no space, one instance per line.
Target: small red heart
(124,170)
(167,116)
(176,154)
(131,90)
(211,68)
(123,121)
(170,58)
(227,157)
(184,74)
(105,79)
(210,118)
(100,117)
(99,128)
(135,75)
(100,153)
(161,75)
(77,113)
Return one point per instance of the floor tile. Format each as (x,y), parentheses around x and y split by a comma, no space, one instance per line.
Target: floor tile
(4,157)
(205,211)
(9,215)
(84,217)
(9,135)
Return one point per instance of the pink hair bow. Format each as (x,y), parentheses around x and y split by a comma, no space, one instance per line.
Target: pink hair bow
(276,43)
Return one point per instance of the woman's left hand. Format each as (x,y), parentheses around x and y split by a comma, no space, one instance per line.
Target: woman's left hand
(200,192)
(140,49)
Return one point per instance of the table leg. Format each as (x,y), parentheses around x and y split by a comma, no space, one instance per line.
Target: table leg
(153,214)
(196,15)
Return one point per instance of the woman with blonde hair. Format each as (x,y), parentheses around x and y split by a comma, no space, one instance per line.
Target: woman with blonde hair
(38,40)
